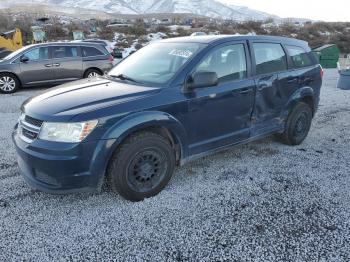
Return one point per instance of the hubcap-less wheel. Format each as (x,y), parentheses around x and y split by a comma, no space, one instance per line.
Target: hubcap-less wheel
(146,170)
(141,166)
(7,84)
(93,74)
(297,125)
(301,125)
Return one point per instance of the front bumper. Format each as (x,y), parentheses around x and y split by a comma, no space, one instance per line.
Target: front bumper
(63,167)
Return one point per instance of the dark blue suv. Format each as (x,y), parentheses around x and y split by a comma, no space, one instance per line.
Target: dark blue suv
(171,102)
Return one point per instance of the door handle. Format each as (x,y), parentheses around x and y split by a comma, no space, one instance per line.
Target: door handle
(292,80)
(56,64)
(262,87)
(48,65)
(246,91)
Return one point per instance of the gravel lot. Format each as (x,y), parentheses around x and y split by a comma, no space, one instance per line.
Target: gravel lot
(259,202)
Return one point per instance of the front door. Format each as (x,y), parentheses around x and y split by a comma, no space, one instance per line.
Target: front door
(220,115)
(67,63)
(38,68)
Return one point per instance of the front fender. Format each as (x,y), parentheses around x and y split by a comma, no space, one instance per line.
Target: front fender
(141,120)
(298,95)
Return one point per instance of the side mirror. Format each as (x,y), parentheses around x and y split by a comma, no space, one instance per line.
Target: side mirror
(24,59)
(202,79)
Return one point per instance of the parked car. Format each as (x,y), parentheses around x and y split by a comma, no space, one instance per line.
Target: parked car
(198,34)
(169,103)
(105,43)
(52,63)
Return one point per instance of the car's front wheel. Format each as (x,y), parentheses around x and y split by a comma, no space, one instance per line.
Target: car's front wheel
(297,125)
(8,83)
(142,166)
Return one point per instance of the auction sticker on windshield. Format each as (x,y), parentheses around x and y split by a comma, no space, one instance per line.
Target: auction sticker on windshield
(182,53)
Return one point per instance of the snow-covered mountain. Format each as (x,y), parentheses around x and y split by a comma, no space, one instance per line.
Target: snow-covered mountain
(210,8)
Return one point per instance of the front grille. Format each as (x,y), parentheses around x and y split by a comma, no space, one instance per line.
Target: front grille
(29,128)
(33,121)
(29,134)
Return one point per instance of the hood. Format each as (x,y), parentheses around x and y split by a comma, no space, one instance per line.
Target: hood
(66,101)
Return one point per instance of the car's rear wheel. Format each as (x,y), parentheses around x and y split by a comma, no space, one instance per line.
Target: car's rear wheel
(297,125)
(8,83)
(92,73)
(142,166)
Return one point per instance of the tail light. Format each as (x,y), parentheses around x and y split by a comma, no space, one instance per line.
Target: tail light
(110,59)
(321,71)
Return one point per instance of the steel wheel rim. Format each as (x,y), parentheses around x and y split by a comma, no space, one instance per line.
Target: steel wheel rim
(92,74)
(146,170)
(301,125)
(7,83)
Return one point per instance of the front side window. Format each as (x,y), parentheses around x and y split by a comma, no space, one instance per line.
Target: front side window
(156,63)
(64,51)
(36,54)
(269,58)
(228,62)
(299,56)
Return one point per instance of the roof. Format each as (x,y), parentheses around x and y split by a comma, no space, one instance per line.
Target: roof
(211,39)
(67,43)
(324,47)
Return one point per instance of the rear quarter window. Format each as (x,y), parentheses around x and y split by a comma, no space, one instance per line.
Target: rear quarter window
(299,56)
(269,58)
(91,51)
(64,51)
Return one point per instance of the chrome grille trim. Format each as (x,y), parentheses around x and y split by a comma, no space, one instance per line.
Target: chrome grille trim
(24,125)
(33,121)
(29,127)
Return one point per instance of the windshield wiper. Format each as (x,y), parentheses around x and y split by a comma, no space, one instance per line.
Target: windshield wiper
(124,77)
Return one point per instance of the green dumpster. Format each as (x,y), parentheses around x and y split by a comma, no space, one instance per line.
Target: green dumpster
(328,55)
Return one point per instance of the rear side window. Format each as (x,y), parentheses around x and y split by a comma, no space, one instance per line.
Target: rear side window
(91,51)
(269,58)
(228,62)
(299,56)
(64,51)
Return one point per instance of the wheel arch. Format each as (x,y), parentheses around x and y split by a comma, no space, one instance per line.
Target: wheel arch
(13,74)
(158,122)
(92,68)
(306,95)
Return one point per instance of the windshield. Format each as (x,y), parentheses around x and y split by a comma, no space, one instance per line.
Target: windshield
(13,54)
(156,63)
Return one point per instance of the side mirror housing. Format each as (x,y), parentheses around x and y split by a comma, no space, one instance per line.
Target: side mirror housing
(24,59)
(202,79)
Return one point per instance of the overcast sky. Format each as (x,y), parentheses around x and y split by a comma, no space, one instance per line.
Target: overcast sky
(331,10)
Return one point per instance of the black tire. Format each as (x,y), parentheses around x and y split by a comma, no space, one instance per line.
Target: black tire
(297,125)
(92,73)
(8,83)
(142,166)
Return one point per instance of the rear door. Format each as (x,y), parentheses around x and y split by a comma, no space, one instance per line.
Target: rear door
(66,63)
(270,68)
(38,68)
(305,71)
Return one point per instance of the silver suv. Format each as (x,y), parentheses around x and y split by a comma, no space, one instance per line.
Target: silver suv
(51,64)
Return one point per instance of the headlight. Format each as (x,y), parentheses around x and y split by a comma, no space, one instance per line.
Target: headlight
(66,132)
